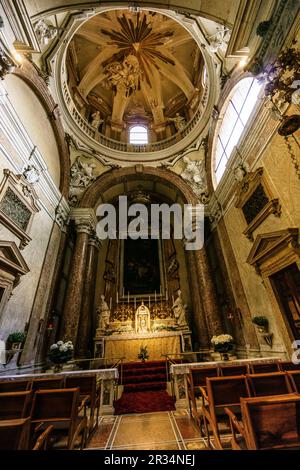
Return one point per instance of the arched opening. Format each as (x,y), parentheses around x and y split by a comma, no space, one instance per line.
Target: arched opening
(138,135)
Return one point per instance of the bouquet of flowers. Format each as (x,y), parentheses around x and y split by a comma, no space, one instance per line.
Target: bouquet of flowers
(61,352)
(222,343)
(143,354)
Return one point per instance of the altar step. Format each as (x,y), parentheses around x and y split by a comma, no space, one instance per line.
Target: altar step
(144,376)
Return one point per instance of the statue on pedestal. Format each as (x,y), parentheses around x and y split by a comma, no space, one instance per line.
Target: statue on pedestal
(179,308)
(103,314)
(96,120)
(142,319)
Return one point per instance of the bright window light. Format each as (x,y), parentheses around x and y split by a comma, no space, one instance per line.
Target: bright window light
(236,116)
(138,135)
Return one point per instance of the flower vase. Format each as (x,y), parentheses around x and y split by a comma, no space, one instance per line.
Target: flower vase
(225,356)
(57,368)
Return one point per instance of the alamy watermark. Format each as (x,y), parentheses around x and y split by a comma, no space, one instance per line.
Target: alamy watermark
(152,221)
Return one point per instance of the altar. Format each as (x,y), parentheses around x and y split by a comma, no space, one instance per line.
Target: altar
(128,345)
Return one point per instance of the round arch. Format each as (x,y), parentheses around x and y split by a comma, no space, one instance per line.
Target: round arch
(29,74)
(113,177)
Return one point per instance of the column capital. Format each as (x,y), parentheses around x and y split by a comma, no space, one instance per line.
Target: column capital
(85,219)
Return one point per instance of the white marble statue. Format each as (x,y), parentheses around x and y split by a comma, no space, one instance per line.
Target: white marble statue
(179,309)
(81,177)
(96,120)
(103,312)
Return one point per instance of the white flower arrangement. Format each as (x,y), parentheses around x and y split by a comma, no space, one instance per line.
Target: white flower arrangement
(222,343)
(61,352)
(222,339)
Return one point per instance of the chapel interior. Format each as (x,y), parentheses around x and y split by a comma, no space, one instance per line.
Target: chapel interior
(150,342)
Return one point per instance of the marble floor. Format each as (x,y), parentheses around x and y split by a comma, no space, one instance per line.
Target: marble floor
(169,430)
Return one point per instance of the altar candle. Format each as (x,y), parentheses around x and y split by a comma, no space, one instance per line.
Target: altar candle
(155,296)
(160,289)
(117,297)
(128,297)
(123,291)
(172,299)
(110,303)
(167,295)
(135,303)
(149,301)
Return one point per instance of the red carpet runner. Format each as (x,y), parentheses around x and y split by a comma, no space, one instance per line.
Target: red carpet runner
(144,389)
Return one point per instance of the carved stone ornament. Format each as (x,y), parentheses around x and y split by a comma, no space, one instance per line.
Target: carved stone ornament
(81,178)
(31,174)
(18,203)
(195,175)
(45,31)
(124,76)
(219,39)
(6,64)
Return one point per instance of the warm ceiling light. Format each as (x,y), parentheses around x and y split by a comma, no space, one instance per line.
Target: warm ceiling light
(18,57)
(243,61)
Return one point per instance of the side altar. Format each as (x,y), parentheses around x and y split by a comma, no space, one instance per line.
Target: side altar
(161,329)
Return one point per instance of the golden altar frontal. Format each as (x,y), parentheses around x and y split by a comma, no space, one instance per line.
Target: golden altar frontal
(128,345)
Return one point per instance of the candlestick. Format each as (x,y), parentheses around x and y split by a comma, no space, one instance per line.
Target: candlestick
(128,298)
(172,299)
(167,295)
(110,303)
(135,303)
(123,291)
(149,302)
(155,296)
(160,290)
(117,297)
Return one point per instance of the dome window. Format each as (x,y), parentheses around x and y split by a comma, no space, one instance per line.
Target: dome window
(138,135)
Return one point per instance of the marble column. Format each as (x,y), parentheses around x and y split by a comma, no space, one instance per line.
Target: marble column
(85,324)
(208,293)
(198,310)
(84,225)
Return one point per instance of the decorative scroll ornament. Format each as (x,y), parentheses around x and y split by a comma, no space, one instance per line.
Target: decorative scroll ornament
(195,174)
(124,76)
(81,178)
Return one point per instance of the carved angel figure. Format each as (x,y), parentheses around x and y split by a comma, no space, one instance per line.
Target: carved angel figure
(96,120)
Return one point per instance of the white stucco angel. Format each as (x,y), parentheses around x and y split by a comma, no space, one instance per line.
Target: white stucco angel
(103,312)
(96,120)
(179,309)
(194,173)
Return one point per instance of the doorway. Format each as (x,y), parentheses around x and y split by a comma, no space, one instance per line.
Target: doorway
(286,284)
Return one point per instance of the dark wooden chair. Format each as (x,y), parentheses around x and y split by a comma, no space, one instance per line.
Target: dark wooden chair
(47,384)
(221,392)
(267,423)
(264,367)
(287,365)
(14,386)
(240,369)
(14,434)
(294,378)
(269,384)
(89,396)
(196,379)
(59,408)
(15,405)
